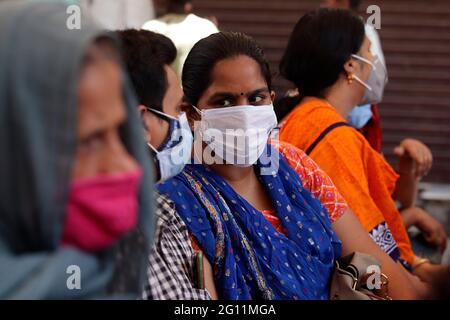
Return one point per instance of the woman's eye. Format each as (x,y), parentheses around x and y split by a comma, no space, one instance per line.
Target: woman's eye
(91,142)
(225,103)
(256,99)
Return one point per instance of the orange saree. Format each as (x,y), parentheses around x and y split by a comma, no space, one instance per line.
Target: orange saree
(360,173)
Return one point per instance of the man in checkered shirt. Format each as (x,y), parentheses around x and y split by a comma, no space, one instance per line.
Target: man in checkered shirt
(148,57)
(171,265)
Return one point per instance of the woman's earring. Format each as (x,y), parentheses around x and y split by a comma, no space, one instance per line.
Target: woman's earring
(350,79)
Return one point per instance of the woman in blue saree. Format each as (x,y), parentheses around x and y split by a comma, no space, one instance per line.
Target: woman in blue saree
(268,220)
(251,258)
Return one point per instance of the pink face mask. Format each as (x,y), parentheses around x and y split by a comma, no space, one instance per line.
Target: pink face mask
(101,210)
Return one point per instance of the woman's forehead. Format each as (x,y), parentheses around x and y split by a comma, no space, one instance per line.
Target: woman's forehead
(236,75)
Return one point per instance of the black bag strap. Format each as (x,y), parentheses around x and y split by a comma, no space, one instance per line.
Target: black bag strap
(324,134)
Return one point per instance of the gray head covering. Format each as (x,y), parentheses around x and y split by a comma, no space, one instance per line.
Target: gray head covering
(40,62)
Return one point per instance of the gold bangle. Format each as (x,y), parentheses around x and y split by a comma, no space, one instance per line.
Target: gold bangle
(420,262)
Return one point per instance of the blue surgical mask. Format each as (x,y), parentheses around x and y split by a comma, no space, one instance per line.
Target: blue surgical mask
(175,152)
(359,116)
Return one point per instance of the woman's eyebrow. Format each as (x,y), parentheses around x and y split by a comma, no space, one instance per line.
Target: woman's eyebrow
(218,95)
(262,90)
(222,95)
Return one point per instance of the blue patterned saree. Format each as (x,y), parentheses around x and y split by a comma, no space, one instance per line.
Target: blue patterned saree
(251,260)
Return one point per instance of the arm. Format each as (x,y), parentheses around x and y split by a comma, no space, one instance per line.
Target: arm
(402,285)
(407,185)
(415,161)
(432,230)
(347,226)
(432,273)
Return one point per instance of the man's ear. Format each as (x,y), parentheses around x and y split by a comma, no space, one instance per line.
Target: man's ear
(142,109)
(142,112)
(191,114)
(145,121)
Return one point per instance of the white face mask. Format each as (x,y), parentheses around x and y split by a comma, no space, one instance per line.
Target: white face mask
(376,83)
(177,153)
(237,135)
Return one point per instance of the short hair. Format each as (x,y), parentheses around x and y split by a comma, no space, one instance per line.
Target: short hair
(145,53)
(209,51)
(320,44)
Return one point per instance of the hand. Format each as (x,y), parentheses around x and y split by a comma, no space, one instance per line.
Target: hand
(415,157)
(433,230)
(433,274)
(423,289)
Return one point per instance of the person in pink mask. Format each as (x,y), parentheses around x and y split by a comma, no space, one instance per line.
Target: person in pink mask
(75,192)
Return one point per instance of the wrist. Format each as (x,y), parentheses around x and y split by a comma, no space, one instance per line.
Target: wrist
(410,217)
(420,263)
(419,218)
(406,170)
(403,172)
(406,165)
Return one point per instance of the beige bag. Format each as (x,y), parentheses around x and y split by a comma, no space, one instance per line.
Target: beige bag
(352,281)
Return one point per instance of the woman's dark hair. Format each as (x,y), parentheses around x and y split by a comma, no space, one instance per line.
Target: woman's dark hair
(322,41)
(213,49)
(284,105)
(145,54)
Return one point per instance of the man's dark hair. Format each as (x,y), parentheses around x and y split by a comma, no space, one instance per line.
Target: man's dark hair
(145,54)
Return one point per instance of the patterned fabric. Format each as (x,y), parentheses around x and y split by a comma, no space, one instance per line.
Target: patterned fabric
(251,259)
(170,271)
(360,173)
(385,240)
(314,179)
(273,219)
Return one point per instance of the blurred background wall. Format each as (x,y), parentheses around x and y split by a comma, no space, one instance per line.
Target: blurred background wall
(416,40)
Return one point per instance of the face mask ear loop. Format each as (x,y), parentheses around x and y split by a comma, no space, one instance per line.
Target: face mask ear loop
(365,61)
(362,83)
(163,114)
(200,112)
(152,147)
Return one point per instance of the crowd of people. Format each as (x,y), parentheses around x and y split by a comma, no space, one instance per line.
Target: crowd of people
(163,166)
